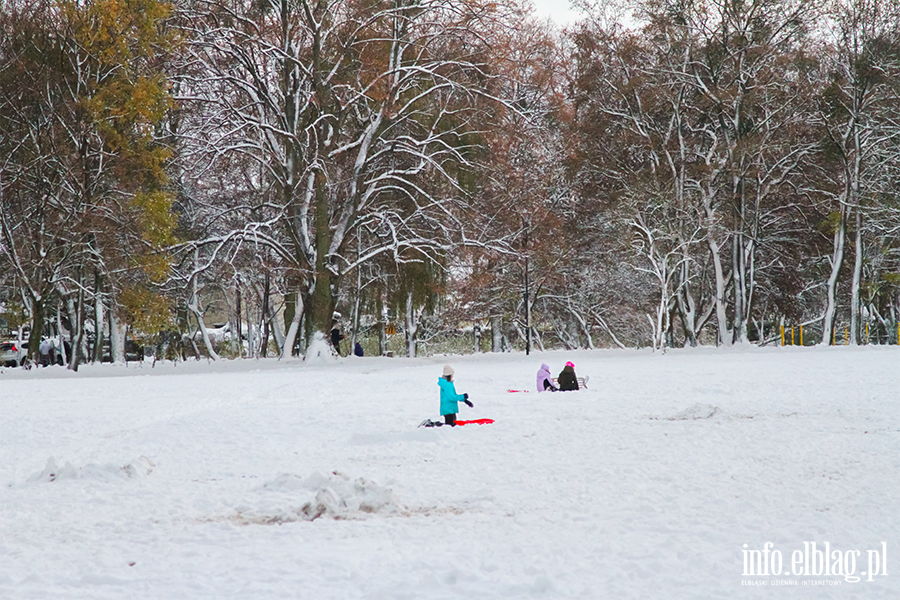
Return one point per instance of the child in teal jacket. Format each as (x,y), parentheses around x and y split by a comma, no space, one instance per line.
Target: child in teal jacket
(449,397)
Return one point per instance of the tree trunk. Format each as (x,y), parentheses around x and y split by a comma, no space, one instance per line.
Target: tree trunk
(355,321)
(98,319)
(382,338)
(252,331)
(194,307)
(296,309)
(204,332)
(290,309)
(411,328)
(37,327)
(855,321)
(687,308)
(837,258)
(584,329)
(724,332)
(743,286)
(605,327)
(321,298)
(78,344)
(574,332)
(62,345)
(264,343)
(737,268)
(237,342)
(537,338)
(115,339)
(277,331)
(496,334)
(193,342)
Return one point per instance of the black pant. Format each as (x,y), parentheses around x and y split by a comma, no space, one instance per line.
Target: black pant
(450,420)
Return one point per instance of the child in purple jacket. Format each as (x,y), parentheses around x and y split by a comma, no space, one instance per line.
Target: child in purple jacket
(544,380)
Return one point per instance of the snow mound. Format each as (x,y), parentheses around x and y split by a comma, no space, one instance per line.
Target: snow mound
(698,411)
(334,496)
(140,467)
(319,351)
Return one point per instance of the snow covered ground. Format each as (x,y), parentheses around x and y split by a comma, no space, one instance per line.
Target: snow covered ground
(260,479)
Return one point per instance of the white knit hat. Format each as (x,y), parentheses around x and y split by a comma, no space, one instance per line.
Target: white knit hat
(448,370)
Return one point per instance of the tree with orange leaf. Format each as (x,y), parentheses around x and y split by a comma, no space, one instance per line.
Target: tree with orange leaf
(85,210)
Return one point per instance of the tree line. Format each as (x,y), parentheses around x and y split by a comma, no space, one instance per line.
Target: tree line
(687,173)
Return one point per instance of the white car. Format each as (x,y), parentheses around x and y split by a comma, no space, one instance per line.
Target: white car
(12,353)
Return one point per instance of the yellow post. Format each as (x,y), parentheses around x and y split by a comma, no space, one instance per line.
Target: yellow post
(846,339)
(867,333)
(898,334)
(792,335)
(833,339)
(801,335)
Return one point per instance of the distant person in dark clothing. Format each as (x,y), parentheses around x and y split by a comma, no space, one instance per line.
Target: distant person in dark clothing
(45,352)
(357,349)
(336,337)
(567,380)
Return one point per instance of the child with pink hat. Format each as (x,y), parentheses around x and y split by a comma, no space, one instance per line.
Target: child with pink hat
(568,381)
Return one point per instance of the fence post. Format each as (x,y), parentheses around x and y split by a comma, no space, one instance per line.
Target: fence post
(801,335)
(846,339)
(833,339)
(792,336)
(782,334)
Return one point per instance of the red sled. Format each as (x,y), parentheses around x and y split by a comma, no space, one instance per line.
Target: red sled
(515,391)
(476,422)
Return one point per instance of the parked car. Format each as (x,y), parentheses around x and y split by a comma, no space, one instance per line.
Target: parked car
(12,353)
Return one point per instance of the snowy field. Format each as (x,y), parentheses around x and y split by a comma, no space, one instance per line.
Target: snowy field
(268,480)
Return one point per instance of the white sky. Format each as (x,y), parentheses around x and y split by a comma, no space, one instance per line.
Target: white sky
(559,10)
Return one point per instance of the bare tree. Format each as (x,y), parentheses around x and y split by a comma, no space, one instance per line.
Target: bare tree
(84,209)
(358,118)
(858,106)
